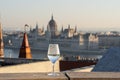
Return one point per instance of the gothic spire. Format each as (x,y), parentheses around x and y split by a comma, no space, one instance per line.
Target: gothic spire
(37,25)
(75,28)
(69,26)
(52,17)
(43,28)
(62,29)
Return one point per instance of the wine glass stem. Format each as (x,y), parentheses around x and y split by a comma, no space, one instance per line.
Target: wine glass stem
(53,68)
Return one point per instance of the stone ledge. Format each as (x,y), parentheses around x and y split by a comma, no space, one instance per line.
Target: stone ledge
(62,76)
(93,75)
(31,76)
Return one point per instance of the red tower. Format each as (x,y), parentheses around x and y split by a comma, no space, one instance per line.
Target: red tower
(1,43)
(25,51)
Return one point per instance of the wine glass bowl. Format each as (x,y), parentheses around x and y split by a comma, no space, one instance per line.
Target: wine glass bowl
(53,55)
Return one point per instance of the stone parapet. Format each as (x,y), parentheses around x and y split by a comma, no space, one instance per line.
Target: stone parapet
(93,75)
(31,76)
(62,76)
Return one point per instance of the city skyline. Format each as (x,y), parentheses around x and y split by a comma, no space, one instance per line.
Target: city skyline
(87,15)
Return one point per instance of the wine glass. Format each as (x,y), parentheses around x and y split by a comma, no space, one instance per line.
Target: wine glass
(53,55)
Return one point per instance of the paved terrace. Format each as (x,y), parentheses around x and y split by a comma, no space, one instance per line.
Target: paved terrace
(62,76)
(39,71)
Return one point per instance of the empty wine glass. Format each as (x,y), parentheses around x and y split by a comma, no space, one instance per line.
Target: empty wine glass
(53,55)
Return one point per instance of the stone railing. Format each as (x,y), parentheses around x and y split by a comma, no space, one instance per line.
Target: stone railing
(62,76)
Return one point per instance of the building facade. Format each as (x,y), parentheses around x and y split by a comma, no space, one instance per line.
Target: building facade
(69,39)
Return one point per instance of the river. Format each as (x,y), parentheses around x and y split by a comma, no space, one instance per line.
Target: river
(36,54)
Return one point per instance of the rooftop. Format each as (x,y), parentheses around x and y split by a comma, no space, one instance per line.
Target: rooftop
(110,62)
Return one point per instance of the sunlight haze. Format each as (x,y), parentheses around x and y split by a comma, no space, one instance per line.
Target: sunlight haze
(87,15)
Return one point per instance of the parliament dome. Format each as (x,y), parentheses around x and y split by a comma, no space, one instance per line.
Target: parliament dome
(52,23)
(52,27)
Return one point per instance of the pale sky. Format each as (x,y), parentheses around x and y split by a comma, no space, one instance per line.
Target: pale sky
(87,15)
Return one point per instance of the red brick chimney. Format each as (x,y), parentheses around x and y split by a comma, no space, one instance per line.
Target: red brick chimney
(25,51)
(1,43)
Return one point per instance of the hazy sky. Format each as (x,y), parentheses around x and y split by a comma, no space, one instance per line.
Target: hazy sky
(88,15)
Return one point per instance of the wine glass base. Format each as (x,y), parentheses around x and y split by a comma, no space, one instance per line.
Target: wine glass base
(53,74)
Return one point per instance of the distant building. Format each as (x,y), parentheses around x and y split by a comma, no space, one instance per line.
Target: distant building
(107,41)
(68,39)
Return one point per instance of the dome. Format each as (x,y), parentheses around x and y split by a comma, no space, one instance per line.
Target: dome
(52,23)
(52,26)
